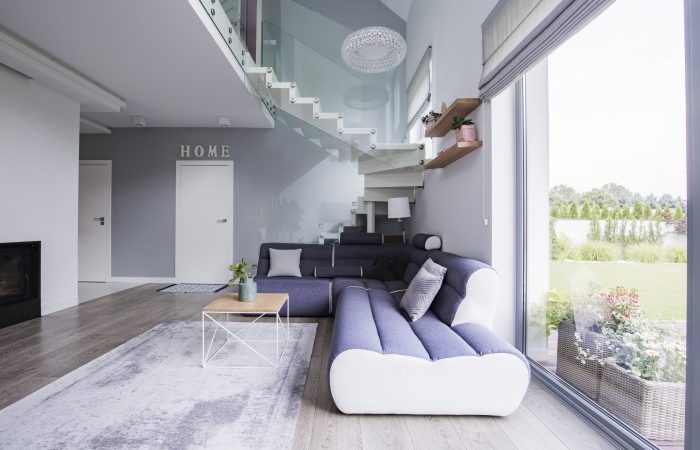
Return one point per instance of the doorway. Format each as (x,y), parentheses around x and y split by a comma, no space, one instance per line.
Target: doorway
(204,221)
(95,221)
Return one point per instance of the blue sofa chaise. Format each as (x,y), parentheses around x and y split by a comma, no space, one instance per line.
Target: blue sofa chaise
(448,362)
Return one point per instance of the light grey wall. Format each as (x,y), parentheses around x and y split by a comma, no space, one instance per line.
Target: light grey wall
(459,191)
(692,43)
(284,187)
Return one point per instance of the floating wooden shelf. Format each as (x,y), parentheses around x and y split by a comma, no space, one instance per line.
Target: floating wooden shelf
(452,154)
(461,107)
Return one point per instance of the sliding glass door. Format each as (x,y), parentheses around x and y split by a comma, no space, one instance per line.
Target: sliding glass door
(606,214)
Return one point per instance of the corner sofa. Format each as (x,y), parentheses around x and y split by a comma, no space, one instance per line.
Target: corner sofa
(447,362)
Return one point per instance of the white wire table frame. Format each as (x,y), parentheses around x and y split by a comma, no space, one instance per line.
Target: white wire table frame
(223,307)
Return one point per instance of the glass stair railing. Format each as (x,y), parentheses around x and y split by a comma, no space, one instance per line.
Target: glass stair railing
(390,169)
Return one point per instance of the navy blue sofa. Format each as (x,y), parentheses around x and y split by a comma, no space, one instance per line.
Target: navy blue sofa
(447,362)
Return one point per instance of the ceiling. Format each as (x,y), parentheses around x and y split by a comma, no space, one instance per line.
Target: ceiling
(400,7)
(158,56)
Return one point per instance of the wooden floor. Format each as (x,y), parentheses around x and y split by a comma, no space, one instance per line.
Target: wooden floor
(35,353)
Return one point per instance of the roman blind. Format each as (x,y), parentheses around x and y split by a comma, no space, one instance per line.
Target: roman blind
(419,87)
(519,33)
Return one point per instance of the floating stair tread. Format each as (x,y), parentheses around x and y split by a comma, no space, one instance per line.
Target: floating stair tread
(460,107)
(452,154)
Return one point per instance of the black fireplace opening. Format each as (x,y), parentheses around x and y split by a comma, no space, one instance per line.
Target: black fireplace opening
(20,282)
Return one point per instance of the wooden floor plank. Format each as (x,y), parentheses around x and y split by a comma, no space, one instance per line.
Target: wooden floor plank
(572,430)
(35,353)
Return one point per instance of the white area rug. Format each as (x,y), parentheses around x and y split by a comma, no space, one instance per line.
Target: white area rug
(152,392)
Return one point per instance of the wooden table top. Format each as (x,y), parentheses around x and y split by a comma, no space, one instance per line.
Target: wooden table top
(264,303)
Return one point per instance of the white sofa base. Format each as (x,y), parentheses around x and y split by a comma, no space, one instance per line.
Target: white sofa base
(367,382)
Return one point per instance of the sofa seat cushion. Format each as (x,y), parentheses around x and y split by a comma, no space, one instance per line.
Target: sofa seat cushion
(308,296)
(382,364)
(341,284)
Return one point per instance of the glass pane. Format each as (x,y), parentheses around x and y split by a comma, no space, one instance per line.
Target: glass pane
(606,215)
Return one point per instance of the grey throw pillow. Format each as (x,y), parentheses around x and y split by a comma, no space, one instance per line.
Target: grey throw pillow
(423,289)
(284,263)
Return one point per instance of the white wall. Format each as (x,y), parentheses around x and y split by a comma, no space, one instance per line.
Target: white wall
(39,131)
(456,202)
(453,201)
(501,139)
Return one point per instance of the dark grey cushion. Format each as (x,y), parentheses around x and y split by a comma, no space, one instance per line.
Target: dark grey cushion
(284,263)
(423,289)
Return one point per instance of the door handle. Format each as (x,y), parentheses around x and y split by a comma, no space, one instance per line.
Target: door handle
(222,221)
(99,219)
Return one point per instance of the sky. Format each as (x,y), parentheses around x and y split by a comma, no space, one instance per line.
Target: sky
(617,101)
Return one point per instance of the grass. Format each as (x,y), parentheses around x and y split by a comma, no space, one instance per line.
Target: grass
(662,287)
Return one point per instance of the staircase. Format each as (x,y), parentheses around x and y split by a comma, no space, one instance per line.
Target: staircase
(389,169)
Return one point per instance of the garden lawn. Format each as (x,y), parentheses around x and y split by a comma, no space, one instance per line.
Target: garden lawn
(662,287)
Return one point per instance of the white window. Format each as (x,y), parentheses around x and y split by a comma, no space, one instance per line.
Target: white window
(419,101)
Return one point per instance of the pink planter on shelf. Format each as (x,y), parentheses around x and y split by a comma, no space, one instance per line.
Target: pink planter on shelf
(466,133)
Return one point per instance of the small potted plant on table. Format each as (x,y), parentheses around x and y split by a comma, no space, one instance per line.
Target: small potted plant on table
(247,287)
(464,128)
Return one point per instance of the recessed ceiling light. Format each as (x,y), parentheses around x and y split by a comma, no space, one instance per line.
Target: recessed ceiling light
(224,122)
(138,121)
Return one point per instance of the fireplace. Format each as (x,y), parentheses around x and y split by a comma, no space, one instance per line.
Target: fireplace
(20,275)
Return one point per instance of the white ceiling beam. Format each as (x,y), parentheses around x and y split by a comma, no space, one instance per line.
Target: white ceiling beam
(54,75)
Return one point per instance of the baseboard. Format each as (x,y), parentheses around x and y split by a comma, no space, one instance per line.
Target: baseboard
(48,307)
(142,280)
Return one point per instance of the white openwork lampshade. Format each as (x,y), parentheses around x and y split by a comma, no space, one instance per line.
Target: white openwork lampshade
(398,208)
(373,49)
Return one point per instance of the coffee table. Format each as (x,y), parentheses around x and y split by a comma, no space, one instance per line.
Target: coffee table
(264,304)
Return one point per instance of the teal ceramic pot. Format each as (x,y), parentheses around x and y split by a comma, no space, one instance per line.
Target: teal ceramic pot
(247,291)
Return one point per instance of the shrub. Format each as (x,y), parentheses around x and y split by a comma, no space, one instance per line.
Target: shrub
(560,307)
(562,249)
(644,253)
(596,251)
(677,255)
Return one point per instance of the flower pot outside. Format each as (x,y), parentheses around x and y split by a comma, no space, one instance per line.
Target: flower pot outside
(247,291)
(584,377)
(656,409)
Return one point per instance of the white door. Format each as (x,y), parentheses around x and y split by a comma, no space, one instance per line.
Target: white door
(94,220)
(204,221)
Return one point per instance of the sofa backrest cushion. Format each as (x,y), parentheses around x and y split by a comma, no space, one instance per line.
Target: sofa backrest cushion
(366,255)
(312,255)
(426,241)
(416,257)
(469,292)
(354,238)
(339,271)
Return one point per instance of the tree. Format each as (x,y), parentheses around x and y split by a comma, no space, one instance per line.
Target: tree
(621,194)
(562,194)
(554,212)
(626,214)
(666,200)
(647,214)
(586,210)
(563,211)
(610,231)
(604,213)
(667,211)
(616,213)
(637,209)
(594,230)
(573,210)
(678,212)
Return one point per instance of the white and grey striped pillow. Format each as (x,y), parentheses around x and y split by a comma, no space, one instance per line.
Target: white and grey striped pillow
(423,289)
